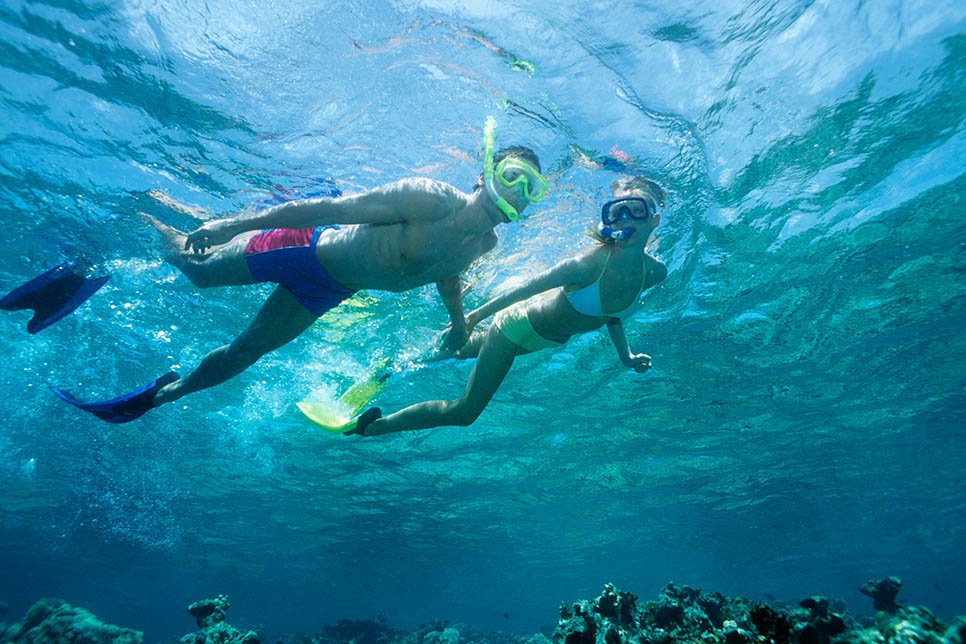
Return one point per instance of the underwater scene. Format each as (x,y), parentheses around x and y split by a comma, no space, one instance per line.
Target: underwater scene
(768,447)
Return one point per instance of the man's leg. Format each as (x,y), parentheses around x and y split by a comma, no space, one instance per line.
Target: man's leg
(495,359)
(280,320)
(221,266)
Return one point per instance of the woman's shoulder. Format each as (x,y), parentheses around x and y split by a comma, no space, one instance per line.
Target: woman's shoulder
(589,262)
(656,270)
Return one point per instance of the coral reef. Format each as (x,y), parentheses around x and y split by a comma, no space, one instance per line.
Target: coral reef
(679,615)
(883,593)
(54,621)
(956,633)
(210,617)
(688,615)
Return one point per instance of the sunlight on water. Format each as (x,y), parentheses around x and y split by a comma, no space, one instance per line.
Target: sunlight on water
(801,430)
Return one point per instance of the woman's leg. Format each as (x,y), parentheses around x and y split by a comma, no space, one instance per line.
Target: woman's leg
(280,320)
(495,359)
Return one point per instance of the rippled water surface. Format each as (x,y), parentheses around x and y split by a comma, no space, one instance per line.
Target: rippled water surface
(801,431)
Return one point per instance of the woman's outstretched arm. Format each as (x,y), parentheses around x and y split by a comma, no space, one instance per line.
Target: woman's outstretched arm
(639,362)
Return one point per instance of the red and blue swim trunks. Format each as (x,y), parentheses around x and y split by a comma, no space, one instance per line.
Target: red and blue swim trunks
(287,257)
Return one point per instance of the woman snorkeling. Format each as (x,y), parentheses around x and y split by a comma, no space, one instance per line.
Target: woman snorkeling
(599,286)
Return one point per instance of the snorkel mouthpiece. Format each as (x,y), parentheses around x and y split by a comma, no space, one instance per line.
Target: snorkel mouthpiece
(617,234)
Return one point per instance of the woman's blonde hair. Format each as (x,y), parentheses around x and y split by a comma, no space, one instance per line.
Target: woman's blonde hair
(639,185)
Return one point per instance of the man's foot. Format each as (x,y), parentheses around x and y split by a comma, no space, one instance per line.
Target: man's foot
(166,393)
(125,408)
(172,237)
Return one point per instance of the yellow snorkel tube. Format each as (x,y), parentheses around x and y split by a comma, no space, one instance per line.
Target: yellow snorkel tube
(527,175)
(501,203)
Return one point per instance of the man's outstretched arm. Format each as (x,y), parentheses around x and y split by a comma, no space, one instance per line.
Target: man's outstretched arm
(405,200)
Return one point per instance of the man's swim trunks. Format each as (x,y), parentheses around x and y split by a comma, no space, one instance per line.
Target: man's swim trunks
(287,257)
(515,326)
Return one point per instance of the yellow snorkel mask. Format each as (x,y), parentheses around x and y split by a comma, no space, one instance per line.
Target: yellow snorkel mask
(512,172)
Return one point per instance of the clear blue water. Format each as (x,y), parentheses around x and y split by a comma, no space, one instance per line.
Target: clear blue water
(802,430)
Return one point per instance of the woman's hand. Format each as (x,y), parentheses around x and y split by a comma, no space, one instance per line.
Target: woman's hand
(639,362)
(212,233)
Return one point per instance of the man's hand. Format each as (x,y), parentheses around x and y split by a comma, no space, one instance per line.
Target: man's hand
(212,233)
(639,362)
(454,337)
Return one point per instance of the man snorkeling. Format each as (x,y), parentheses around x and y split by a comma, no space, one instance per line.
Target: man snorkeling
(600,286)
(320,251)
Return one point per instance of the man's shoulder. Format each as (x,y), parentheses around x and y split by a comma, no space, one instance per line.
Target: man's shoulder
(424,194)
(425,186)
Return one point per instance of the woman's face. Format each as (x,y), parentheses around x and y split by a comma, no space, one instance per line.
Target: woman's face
(656,205)
(634,214)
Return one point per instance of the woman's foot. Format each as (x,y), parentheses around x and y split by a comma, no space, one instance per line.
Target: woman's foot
(366,419)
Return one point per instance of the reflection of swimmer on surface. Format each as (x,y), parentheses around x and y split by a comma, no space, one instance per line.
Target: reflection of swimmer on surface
(615,160)
(321,251)
(599,286)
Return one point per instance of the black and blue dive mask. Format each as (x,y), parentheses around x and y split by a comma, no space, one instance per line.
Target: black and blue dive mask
(613,211)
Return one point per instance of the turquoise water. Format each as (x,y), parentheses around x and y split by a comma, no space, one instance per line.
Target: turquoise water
(802,428)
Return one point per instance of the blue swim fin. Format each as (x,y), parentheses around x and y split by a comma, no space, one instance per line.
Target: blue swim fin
(52,295)
(124,408)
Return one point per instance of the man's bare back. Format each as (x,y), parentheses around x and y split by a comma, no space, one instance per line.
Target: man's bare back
(423,247)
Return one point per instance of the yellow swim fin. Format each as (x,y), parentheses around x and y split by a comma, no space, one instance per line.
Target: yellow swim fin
(358,395)
(326,416)
(337,417)
(323,415)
